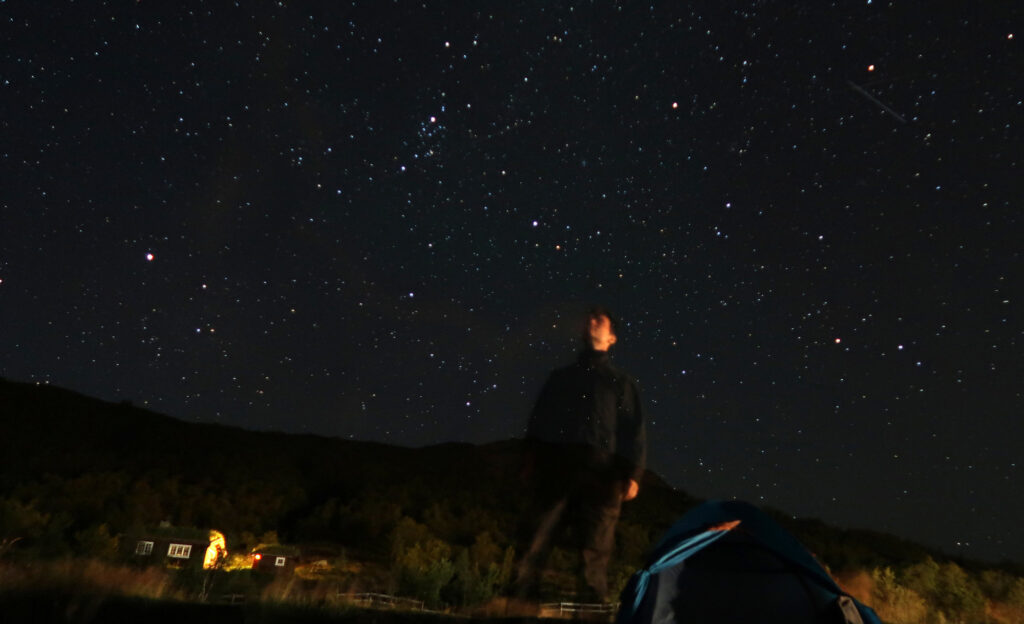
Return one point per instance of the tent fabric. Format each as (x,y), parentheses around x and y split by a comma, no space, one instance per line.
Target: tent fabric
(710,568)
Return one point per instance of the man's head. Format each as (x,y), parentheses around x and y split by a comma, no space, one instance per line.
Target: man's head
(599,332)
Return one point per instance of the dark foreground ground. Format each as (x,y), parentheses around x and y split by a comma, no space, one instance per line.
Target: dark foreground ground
(68,608)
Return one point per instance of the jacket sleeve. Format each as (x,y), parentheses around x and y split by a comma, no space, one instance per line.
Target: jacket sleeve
(540,415)
(538,430)
(633,439)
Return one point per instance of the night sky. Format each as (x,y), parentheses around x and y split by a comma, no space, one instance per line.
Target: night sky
(381,221)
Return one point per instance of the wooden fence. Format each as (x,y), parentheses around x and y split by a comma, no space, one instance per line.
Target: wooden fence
(565,609)
(370,599)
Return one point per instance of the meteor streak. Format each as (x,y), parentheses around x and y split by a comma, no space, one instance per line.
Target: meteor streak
(860,90)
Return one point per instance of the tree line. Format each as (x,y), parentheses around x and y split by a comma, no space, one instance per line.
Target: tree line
(79,477)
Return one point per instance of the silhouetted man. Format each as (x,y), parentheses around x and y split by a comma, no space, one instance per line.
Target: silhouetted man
(586,449)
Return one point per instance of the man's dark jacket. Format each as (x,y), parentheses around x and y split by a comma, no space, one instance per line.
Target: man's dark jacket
(593,407)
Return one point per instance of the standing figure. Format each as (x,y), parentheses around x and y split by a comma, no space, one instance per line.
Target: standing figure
(585,454)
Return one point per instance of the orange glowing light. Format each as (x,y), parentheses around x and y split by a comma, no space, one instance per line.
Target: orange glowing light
(257,557)
(871,68)
(838,340)
(675,104)
(216,552)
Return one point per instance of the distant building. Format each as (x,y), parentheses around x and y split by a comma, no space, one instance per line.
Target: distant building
(275,558)
(180,548)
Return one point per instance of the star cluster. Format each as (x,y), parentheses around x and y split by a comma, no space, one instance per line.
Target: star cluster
(381,221)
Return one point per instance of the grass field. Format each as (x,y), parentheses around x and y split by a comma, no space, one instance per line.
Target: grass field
(76,591)
(63,607)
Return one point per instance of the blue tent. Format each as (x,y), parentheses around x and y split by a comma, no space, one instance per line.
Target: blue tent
(729,562)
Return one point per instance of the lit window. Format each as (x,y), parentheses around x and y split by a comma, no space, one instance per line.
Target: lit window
(179,551)
(143,547)
(279,562)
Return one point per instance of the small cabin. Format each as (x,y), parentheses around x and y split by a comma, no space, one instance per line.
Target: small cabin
(274,558)
(181,548)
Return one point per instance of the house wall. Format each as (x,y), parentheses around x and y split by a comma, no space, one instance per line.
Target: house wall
(161,545)
(266,564)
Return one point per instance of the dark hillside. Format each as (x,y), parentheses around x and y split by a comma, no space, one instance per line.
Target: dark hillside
(141,467)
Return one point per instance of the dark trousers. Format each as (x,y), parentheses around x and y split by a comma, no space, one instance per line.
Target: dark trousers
(585,502)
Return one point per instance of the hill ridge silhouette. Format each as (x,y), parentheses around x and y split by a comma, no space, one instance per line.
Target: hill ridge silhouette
(52,431)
